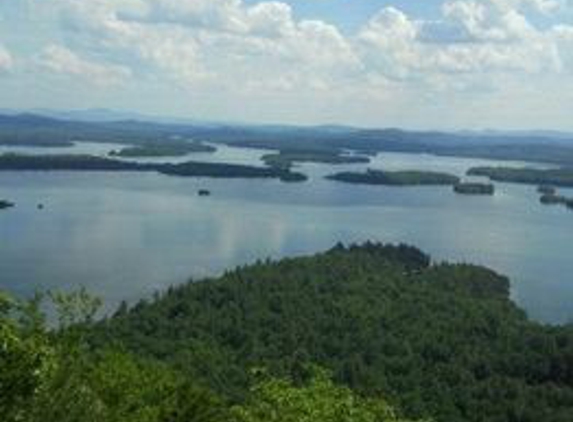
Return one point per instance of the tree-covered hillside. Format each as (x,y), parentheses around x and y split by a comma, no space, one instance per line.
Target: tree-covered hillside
(51,375)
(438,340)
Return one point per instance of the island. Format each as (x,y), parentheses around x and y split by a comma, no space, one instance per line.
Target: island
(286,158)
(5,204)
(553,198)
(555,177)
(396,178)
(18,162)
(546,190)
(163,149)
(474,188)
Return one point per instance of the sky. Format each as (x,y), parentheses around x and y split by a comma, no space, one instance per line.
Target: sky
(428,64)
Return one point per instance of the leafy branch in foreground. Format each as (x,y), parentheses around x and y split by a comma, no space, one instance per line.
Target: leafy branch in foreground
(280,400)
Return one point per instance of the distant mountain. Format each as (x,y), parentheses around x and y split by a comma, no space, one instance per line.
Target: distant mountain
(101,125)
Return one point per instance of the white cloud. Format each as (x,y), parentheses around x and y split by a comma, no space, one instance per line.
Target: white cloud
(61,60)
(224,42)
(233,50)
(471,37)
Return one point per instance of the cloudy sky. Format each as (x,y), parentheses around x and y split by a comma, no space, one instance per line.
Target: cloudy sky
(414,64)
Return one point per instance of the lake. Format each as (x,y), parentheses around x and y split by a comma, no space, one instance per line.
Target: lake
(126,235)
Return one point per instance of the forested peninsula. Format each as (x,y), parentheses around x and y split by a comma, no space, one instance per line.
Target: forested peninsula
(286,158)
(557,177)
(16,162)
(441,341)
(163,149)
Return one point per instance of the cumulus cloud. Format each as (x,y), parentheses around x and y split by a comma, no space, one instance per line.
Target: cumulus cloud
(61,60)
(243,49)
(224,42)
(470,37)
(227,41)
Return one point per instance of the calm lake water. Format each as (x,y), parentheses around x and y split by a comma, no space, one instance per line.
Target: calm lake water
(125,235)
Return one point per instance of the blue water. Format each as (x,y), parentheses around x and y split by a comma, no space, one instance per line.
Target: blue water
(125,235)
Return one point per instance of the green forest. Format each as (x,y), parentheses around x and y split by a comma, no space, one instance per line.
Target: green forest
(396,178)
(168,148)
(286,158)
(70,162)
(557,177)
(360,333)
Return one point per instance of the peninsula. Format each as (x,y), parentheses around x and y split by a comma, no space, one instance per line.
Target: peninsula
(285,159)
(16,162)
(163,149)
(556,177)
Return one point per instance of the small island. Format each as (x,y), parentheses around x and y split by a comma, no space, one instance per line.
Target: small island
(17,162)
(5,204)
(546,190)
(548,177)
(553,198)
(396,178)
(285,159)
(163,149)
(474,188)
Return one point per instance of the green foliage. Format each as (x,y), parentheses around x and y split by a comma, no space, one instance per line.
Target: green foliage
(440,340)
(318,400)
(53,377)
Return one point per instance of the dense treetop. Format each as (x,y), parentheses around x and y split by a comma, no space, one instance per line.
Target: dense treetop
(438,340)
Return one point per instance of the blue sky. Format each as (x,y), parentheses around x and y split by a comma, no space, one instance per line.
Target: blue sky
(436,64)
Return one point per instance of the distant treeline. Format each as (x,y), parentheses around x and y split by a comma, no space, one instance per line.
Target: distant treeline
(37,130)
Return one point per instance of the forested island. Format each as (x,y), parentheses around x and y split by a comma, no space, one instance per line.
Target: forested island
(546,190)
(401,336)
(557,177)
(396,178)
(17,162)
(286,158)
(551,197)
(163,149)
(4,204)
(474,188)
